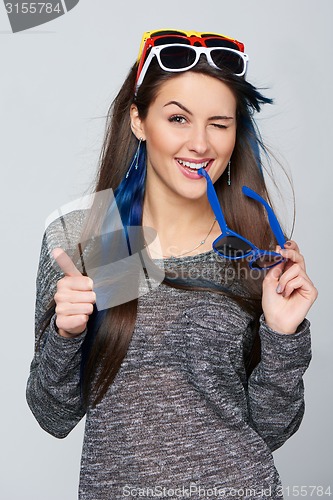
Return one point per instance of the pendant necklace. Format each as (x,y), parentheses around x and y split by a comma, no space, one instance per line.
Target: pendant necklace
(202,242)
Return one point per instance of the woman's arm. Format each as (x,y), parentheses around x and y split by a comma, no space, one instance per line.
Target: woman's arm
(275,387)
(53,389)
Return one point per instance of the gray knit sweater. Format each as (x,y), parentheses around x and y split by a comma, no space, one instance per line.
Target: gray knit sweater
(181,419)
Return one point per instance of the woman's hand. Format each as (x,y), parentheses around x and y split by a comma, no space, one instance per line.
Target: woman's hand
(288,292)
(74,298)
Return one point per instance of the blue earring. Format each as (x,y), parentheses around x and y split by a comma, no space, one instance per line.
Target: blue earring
(136,157)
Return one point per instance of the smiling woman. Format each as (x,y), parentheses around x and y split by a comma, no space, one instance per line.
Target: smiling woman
(196,381)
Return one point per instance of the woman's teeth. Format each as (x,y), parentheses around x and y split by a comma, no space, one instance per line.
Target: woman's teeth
(193,166)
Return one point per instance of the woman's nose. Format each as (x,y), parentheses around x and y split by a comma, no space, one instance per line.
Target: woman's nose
(198,140)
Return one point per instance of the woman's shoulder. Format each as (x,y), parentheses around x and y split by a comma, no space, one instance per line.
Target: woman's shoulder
(62,231)
(65,230)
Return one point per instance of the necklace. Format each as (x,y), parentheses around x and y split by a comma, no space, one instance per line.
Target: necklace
(202,242)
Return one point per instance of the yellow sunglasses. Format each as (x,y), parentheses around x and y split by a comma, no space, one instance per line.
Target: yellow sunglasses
(186,34)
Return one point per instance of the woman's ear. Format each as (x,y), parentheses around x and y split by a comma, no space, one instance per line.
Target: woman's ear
(137,125)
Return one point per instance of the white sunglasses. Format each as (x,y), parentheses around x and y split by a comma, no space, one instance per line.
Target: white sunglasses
(180,57)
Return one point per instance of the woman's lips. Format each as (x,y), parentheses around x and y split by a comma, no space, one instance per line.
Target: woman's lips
(191,173)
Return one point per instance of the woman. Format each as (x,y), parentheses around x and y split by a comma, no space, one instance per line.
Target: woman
(180,398)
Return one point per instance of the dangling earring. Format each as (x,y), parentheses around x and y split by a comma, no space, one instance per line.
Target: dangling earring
(135,160)
(229,175)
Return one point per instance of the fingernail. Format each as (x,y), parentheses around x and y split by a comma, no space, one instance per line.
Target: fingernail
(279,289)
(288,243)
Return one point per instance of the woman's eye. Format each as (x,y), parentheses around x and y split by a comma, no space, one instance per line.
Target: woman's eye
(219,125)
(177,119)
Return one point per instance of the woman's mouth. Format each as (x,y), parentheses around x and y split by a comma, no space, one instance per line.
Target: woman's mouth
(194,166)
(190,168)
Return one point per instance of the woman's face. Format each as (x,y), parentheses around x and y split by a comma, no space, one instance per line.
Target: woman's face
(191,124)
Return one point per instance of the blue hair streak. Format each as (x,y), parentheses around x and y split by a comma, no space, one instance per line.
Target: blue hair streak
(129,199)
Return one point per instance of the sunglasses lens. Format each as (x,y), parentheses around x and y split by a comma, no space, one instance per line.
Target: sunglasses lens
(220,42)
(177,57)
(225,59)
(267,260)
(167,32)
(170,40)
(232,247)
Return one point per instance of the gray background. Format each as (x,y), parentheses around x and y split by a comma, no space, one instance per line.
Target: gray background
(57,81)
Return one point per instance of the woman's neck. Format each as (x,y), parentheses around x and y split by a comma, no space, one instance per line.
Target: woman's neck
(181,224)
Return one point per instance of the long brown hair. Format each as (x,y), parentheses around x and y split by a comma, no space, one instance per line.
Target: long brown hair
(105,348)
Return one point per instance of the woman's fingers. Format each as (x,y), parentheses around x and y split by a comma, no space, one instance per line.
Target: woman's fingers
(79,283)
(68,295)
(288,292)
(65,262)
(69,309)
(295,271)
(291,252)
(71,326)
(300,283)
(74,298)
(273,275)
(294,274)
(291,245)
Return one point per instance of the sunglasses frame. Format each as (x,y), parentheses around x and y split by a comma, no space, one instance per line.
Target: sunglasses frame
(156,52)
(255,252)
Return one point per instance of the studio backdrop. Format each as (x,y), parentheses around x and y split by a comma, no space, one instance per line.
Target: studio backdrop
(61,66)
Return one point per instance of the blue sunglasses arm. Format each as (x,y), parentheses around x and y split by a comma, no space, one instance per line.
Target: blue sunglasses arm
(214,201)
(274,223)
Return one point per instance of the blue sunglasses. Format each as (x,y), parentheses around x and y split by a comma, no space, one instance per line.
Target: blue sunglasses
(232,245)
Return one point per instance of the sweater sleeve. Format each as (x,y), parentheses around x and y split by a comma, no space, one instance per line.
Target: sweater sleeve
(275,387)
(53,388)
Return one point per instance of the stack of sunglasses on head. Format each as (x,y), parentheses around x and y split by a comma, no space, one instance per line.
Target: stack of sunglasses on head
(178,51)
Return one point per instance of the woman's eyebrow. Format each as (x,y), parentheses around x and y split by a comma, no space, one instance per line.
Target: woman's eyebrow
(181,106)
(221,117)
